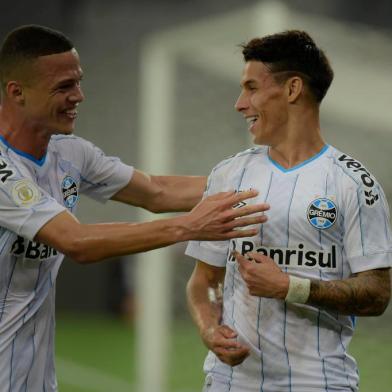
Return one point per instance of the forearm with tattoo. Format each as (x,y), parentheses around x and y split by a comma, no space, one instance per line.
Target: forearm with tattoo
(365,294)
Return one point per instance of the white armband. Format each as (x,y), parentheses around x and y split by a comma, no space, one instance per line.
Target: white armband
(299,290)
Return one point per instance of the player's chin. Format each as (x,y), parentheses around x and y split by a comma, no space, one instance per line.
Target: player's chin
(66,128)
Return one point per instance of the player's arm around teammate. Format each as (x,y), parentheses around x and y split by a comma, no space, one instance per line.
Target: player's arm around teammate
(206,313)
(365,293)
(211,219)
(162,193)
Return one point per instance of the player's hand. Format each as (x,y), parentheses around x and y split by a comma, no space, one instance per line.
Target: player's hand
(222,340)
(214,218)
(262,276)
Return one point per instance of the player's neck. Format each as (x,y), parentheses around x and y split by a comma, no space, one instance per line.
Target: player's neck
(22,135)
(289,155)
(302,140)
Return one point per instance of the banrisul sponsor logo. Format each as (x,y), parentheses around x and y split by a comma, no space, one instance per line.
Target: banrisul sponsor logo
(296,257)
(368,181)
(322,213)
(70,191)
(32,250)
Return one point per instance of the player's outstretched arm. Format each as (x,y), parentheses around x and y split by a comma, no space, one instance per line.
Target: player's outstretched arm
(206,313)
(366,293)
(212,219)
(162,193)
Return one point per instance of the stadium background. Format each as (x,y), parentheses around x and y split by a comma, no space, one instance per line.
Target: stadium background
(96,327)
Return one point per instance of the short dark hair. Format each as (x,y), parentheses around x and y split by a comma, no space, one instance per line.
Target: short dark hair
(289,53)
(27,43)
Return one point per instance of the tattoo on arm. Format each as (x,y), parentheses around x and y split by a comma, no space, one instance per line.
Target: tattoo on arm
(365,294)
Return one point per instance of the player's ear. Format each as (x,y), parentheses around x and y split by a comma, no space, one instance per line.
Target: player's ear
(295,86)
(15,92)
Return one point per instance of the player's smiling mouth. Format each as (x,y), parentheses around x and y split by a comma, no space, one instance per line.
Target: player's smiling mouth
(251,120)
(70,113)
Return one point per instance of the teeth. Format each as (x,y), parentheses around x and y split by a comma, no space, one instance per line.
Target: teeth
(71,112)
(251,120)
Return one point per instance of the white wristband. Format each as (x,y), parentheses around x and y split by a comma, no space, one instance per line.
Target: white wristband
(299,290)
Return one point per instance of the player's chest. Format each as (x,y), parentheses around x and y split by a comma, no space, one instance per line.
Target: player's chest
(306,201)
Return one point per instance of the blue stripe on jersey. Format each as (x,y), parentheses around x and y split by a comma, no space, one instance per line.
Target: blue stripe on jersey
(260,348)
(318,310)
(348,174)
(35,290)
(12,358)
(344,352)
(259,304)
(288,210)
(8,287)
(30,157)
(386,218)
(284,344)
(318,349)
(285,304)
(344,357)
(32,359)
(234,274)
(265,201)
(360,222)
(314,157)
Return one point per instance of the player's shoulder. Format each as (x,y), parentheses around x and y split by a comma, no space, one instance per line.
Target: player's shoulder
(352,169)
(67,141)
(239,159)
(70,147)
(9,168)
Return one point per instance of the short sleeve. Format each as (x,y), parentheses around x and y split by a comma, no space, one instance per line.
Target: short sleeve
(367,233)
(211,252)
(24,206)
(102,176)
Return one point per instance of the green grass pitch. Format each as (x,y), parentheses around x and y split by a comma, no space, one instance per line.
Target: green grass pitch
(96,354)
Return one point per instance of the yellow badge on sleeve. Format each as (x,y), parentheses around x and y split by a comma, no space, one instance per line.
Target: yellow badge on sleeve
(25,193)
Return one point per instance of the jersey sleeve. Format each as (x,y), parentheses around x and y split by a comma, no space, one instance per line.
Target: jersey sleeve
(211,252)
(24,206)
(367,234)
(102,176)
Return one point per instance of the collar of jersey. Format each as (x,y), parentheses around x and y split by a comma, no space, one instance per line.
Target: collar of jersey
(284,170)
(23,154)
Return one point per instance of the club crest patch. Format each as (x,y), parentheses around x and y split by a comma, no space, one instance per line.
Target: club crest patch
(25,193)
(70,191)
(322,213)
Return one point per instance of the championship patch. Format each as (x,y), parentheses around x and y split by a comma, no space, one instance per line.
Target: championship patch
(25,193)
(70,191)
(322,213)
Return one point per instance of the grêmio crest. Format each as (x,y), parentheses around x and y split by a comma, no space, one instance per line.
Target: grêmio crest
(322,213)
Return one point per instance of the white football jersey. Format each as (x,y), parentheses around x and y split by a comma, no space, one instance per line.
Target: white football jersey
(31,193)
(328,220)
